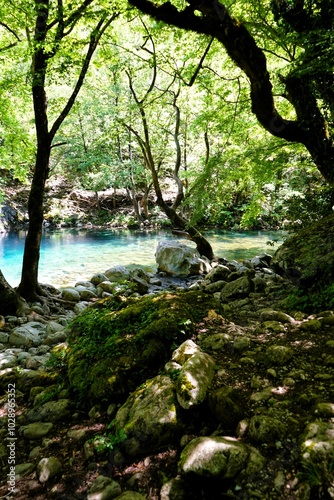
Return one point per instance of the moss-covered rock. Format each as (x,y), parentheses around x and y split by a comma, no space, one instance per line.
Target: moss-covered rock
(118,343)
(307,258)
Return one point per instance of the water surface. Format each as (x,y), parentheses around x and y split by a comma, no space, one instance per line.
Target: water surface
(70,255)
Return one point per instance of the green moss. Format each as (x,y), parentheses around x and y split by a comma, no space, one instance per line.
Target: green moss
(116,344)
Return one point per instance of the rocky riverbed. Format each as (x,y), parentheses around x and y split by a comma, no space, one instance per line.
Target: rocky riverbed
(211,389)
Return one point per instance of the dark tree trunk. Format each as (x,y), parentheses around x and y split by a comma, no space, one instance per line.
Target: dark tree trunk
(29,287)
(10,300)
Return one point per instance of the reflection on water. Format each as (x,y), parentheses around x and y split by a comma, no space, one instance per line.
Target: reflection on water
(69,255)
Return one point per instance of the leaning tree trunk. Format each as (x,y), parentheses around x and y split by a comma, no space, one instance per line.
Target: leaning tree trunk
(10,300)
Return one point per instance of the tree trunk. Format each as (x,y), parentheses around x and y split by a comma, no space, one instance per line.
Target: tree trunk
(10,300)
(29,287)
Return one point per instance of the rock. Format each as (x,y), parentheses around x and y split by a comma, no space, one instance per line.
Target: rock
(98,278)
(7,360)
(273,326)
(215,342)
(237,289)
(324,410)
(36,362)
(85,293)
(216,457)
(117,273)
(310,326)
(51,411)
(278,355)
(195,379)
(149,417)
(185,351)
(22,470)
(218,273)
(265,429)
(175,489)
(36,430)
(227,406)
(104,488)
(4,337)
(178,259)
(142,274)
(55,338)
(30,334)
(53,326)
(80,307)
(131,495)
(142,285)
(272,315)
(48,468)
(70,294)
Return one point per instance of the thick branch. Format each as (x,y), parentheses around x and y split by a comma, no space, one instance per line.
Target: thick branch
(243,50)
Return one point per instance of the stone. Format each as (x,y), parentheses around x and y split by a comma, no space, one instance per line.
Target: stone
(178,259)
(104,488)
(215,342)
(4,337)
(142,285)
(310,326)
(131,495)
(98,278)
(237,289)
(117,273)
(53,326)
(22,470)
(30,334)
(265,429)
(174,489)
(185,351)
(227,406)
(48,468)
(149,417)
(269,314)
(195,379)
(80,307)
(218,273)
(55,338)
(7,360)
(70,294)
(86,293)
(51,411)
(36,430)
(142,274)
(278,355)
(214,457)
(324,410)
(35,362)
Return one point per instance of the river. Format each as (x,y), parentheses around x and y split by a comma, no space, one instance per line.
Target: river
(70,255)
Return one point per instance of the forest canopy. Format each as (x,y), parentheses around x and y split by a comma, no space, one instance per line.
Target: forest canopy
(231,103)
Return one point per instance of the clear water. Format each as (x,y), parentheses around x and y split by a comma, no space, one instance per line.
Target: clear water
(70,255)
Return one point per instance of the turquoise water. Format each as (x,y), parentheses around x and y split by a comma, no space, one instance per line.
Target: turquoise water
(70,255)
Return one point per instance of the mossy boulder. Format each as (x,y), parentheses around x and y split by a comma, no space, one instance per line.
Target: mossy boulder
(307,258)
(118,343)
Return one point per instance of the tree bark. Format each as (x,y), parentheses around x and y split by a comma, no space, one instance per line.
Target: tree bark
(10,300)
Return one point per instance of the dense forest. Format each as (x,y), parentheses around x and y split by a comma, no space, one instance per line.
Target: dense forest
(212,114)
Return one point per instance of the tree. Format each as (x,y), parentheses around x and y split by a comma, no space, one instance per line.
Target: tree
(164,95)
(308,79)
(53,25)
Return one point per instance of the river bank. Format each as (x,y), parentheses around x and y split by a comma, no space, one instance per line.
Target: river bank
(274,422)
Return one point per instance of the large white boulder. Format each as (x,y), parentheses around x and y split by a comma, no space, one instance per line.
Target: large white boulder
(177,259)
